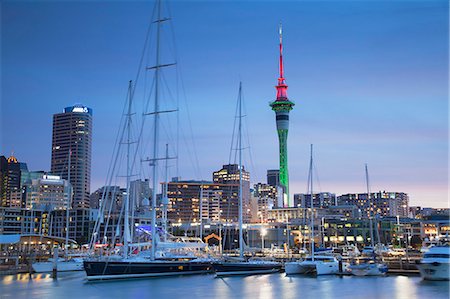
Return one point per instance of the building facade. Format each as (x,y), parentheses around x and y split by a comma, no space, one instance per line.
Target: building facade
(72,133)
(320,200)
(48,193)
(10,189)
(112,195)
(384,204)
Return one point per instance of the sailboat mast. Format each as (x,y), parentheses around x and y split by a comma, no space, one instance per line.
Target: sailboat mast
(69,202)
(241,233)
(201,211)
(126,225)
(370,207)
(156,132)
(312,202)
(165,200)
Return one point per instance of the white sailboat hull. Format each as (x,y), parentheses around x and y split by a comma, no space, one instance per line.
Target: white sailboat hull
(312,267)
(368,270)
(61,266)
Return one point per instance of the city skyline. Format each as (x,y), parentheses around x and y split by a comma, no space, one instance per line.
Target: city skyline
(374,93)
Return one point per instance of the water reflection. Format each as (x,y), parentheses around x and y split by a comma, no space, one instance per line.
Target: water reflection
(73,285)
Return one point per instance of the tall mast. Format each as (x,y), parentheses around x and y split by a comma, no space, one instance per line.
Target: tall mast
(311,193)
(69,203)
(241,233)
(165,200)
(126,225)
(201,211)
(156,131)
(370,207)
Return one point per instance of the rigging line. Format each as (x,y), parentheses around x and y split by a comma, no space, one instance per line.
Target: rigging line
(110,173)
(232,136)
(317,177)
(246,132)
(111,201)
(141,131)
(144,50)
(189,119)
(178,76)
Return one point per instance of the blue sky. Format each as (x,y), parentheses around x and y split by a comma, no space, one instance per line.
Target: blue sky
(369,79)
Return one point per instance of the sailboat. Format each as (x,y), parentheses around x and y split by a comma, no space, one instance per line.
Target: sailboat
(67,263)
(143,265)
(241,266)
(318,264)
(368,266)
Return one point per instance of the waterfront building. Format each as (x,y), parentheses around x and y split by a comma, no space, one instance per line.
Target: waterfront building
(384,204)
(219,202)
(320,200)
(72,132)
(10,191)
(427,213)
(265,196)
(282,106)
(48,193)
(22,221)
(229,176)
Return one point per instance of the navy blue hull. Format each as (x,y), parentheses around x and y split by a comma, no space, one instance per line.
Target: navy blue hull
(103,270)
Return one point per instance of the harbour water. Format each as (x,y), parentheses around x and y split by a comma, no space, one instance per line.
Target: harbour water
(74,285)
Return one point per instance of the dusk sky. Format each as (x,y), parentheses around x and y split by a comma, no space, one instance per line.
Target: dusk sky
(369,80)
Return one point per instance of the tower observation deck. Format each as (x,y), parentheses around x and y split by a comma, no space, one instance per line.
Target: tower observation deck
(282,105)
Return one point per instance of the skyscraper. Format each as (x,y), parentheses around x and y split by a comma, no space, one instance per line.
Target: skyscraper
(72,132)
(282,106)
(10,189)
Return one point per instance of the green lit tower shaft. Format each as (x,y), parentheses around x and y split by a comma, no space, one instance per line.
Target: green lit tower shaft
(282,106)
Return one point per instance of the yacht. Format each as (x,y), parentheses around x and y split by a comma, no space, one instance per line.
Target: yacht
(131,261)
(241,266)
(435,263)
(367,267)
(318,265)
(62,265)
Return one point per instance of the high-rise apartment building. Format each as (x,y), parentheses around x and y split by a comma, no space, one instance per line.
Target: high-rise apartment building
(72,133)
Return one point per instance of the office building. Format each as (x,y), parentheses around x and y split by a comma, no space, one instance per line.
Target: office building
(72,132)
(48,193)
(10,189)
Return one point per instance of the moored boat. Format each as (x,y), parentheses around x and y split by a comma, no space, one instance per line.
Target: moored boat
(367,267)
(62,265)
(319,265)
(435,263)
(139,267)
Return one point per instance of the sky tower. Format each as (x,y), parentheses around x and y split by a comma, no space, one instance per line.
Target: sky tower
(282,106)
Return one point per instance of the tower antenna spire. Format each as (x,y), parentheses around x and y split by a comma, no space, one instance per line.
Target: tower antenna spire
(281,79)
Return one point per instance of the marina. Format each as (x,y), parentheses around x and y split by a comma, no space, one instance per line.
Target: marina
(171,216)
(278,285)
